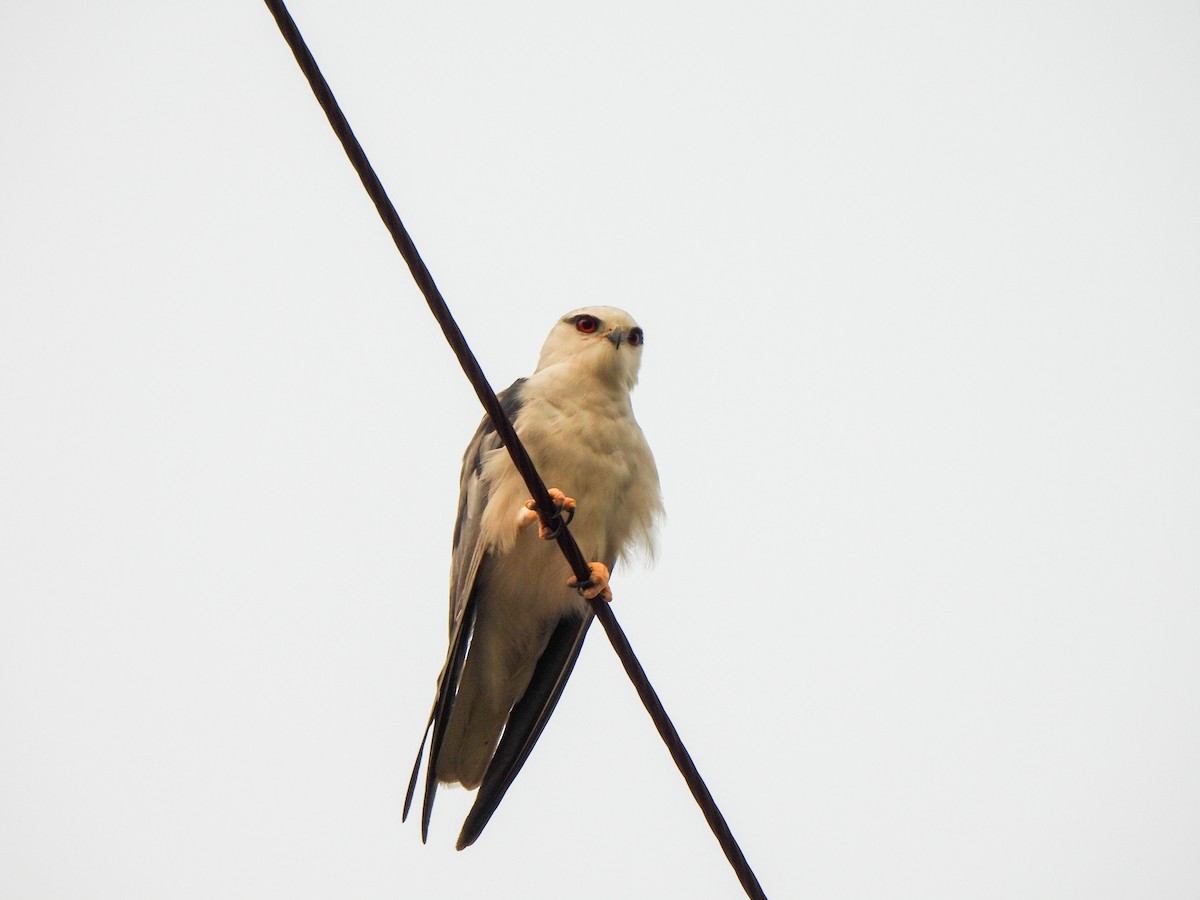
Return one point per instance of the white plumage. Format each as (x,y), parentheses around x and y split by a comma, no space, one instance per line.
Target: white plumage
(574,416)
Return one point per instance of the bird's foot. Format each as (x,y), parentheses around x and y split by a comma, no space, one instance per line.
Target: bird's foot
(596,586)
(548,527)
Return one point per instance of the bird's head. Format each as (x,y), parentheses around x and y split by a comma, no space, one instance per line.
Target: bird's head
(601,339)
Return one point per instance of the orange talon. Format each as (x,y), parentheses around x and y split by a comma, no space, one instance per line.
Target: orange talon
(562,503)
(596,586)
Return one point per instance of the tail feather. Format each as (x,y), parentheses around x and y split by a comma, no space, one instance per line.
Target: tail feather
(497,672)
(471,738)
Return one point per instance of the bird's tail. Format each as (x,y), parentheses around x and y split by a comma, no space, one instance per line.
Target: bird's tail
(496,674)
(471,738)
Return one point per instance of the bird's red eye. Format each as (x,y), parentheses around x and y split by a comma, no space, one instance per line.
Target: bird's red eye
(636,337)
(586,324)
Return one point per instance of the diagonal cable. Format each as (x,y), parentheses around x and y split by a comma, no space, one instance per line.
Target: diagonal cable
(506,432)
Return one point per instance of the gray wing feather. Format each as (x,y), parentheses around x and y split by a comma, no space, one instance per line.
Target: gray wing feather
(526,721)
(466,558)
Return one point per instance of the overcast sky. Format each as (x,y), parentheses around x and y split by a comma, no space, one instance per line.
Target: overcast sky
(921,289)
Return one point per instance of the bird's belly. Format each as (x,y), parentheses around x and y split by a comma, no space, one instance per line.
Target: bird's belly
(527,586)
(598,483)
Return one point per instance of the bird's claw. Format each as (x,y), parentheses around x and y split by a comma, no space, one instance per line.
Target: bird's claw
(596,586)
(549,527)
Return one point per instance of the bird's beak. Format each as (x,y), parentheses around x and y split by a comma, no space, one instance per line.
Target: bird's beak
(615,336)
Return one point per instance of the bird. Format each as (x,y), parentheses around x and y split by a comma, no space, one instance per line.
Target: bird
(517,618)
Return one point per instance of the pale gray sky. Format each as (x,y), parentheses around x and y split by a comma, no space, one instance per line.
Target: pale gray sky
(921,286)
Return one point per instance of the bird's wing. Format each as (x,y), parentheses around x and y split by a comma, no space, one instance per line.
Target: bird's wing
(526,721)
(468,553)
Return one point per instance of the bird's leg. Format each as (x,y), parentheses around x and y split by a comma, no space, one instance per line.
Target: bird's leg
(596,586)
(547,527)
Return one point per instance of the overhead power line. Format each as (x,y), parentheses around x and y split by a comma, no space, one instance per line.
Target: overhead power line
(506,432)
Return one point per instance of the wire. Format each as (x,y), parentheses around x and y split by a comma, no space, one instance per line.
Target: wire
(506,432)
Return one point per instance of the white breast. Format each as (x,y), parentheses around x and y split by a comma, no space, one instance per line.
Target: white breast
(584,440)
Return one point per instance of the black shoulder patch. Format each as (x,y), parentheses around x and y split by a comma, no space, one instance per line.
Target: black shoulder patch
(510,401)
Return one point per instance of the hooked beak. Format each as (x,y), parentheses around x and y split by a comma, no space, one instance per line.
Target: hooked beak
(615,336)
